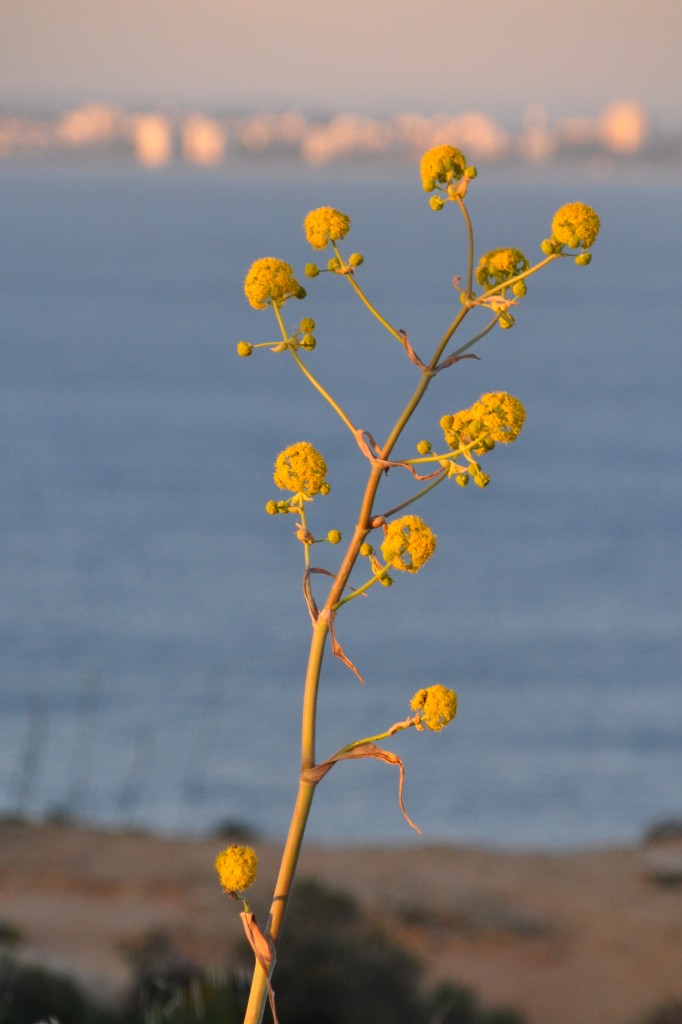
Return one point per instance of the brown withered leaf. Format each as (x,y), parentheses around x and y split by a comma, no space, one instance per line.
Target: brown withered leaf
(264,952)
(363,750)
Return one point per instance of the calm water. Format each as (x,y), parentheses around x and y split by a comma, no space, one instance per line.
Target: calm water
(152,628)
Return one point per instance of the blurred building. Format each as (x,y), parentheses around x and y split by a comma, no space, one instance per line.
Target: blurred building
(204,140)
(152,136)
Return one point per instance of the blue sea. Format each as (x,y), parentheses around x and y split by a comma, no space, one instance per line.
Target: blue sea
(152,626)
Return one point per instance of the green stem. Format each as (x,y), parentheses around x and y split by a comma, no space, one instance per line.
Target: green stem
(470,236)
(299,820)
(363,298)
(398,727)
(325,394)
(420,494)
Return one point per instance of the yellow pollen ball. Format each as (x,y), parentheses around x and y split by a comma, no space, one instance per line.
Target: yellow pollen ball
(300,468)
(499,265)
(575,225)
(325,225)
(436,705)
(497,416)
(441,165)
(236,867)
(408,543)
(270,280)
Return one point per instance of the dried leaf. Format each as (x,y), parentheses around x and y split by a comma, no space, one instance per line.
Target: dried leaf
(363,750)
(264,952)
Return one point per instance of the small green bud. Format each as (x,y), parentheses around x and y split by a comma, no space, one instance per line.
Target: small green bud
(325,488)
(506,321)
(301,293)
(584,259)
(436,203)
(271,508)
(311,270)
(548,246)
(307,325)
(334,264)
(423,447)
(519,289)
(366,550)
(244,349)
(356,259)
(470,172)
(308,342)
(386,581)
(334,537)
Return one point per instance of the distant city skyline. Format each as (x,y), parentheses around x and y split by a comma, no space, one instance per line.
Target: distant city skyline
(367,56)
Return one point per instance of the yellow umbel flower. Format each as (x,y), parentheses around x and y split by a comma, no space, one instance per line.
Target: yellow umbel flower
(437,706)
(300,469)
(440,165)
(575,225)
(497,416)
(408,543)
(499,265)
(325,225)
(236,867)
(271,280)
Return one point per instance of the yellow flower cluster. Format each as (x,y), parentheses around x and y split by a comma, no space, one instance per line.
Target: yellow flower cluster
(440,166)
(499,265)
(300,469)
(437,706)
(497,416)
(236,867)
(408,543)
(271,280)
(325,225)
(575,225)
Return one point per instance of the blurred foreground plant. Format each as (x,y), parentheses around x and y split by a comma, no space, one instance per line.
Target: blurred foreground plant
(381,543)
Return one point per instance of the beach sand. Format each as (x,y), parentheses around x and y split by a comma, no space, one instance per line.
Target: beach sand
(587,937)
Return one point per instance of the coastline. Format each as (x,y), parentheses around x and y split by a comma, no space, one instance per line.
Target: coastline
(585,935)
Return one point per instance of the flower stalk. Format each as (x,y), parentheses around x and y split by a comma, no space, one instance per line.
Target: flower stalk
(407,543)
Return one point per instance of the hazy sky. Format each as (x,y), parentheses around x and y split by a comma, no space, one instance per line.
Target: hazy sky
(370,56)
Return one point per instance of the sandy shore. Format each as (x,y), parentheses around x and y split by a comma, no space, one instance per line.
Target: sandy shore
(592,937)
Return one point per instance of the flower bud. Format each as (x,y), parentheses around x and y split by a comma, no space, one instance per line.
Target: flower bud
(519,289)
(506,321)
(436,203)
(366,550)
(470,172)
(271,508)
(311,270)
(334,264)
(548,247)
(356,259)
(386,581)
(462,479)
(334,537)
(423,447)
(308,342)
(481,479)
(244,349)
(307,325)
(584,259)
(325,488)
